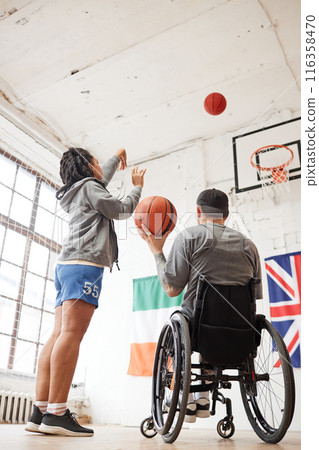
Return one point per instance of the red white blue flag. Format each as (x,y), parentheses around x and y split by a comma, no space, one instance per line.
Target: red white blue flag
(284,286)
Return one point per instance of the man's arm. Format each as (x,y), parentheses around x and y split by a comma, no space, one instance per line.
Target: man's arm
(170,289)
(176,268)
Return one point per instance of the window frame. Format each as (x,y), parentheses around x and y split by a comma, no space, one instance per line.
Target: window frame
(31,236)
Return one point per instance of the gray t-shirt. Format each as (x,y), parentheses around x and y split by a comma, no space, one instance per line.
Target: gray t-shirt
(223,255)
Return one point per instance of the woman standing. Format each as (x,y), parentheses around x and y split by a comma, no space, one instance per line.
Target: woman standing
(90,246)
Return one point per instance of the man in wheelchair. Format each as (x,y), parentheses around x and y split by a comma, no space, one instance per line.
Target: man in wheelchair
(222,272)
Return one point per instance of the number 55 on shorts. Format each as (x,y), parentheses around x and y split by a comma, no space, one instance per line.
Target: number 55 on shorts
(91,289)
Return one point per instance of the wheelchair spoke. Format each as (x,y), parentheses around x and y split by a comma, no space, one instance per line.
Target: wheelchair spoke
(276,373)
(274,381)
(271,409)
(267,391)
(266,359)
(276,397)
(272,393)
(262,368)
(266,386)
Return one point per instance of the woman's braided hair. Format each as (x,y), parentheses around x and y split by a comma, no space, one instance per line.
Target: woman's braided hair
(74,166)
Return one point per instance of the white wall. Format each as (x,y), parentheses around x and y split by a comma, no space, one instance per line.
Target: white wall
(275,228)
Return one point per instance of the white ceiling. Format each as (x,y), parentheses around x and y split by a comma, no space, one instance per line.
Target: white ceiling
(104,74)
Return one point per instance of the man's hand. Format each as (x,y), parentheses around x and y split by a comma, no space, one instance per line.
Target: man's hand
(138,176)
(155,244)
(121,153)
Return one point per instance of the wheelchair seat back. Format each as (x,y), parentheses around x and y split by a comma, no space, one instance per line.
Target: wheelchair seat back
(223,324)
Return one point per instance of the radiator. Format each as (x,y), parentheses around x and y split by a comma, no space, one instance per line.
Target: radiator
(15,407)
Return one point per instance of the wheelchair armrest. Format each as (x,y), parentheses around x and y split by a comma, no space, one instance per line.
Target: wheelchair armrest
(259,324)
(255,280)
(202,285)
(252,287)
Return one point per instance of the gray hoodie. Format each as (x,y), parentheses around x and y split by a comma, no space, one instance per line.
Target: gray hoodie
(91,210)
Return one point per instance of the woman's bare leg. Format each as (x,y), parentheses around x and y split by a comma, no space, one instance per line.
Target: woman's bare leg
(43,371)
(76,317)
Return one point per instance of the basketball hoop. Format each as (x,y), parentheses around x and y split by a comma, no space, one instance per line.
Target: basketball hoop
(272,171)
(268,162)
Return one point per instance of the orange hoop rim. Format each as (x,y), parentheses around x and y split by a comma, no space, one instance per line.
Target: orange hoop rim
(280,167)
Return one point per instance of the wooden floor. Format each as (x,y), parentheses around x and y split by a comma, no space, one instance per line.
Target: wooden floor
(127,438)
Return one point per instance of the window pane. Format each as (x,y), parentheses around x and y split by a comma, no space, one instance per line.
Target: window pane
(5,196)
(2,230)
(14,247)
(52,263)
(5,342)
(47,197)
(7,311)
(38,259)
(8,170)
(24,357)
(50,296)
(46,327)
(29,323)
(9,279)
(33,291)
(25,183)
(44,223)
(21,209)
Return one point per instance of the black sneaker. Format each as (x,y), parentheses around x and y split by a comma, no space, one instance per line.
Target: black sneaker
(202,407)
(35,420)
(65,425)
(190,415)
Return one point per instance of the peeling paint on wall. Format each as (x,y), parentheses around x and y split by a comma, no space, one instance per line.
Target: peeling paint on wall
(5,14)
(23,21)
(5,97)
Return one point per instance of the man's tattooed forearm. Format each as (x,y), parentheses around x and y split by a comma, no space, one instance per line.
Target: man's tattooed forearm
(171,291)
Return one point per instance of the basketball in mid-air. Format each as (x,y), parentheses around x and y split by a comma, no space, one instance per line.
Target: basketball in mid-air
(158,215)
(215,103)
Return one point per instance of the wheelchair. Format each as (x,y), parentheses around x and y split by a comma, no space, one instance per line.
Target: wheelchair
(230,336)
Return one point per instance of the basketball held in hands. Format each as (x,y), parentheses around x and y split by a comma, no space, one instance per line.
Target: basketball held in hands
(157,213)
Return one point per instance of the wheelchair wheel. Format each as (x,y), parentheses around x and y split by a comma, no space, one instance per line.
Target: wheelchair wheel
(225,429)
(166,378)
(269,399)
(147,428)
(171,378)
(181,324)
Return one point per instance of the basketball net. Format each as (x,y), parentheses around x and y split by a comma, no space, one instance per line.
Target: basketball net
(272,165)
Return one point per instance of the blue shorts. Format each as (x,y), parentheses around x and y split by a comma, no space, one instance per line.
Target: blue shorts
(78,281)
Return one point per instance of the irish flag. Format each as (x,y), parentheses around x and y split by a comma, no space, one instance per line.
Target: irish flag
(151,309)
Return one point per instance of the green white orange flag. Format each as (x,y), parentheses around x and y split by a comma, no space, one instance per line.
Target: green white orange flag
(151,309)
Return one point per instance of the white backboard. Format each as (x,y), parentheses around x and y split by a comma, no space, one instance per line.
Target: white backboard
(285,133)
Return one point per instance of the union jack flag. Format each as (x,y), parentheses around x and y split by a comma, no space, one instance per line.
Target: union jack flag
(284,286)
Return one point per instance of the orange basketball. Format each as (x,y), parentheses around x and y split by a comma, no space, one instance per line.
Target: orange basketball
(215,103)
(157,213)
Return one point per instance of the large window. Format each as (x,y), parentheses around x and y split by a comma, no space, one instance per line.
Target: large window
(31,230)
